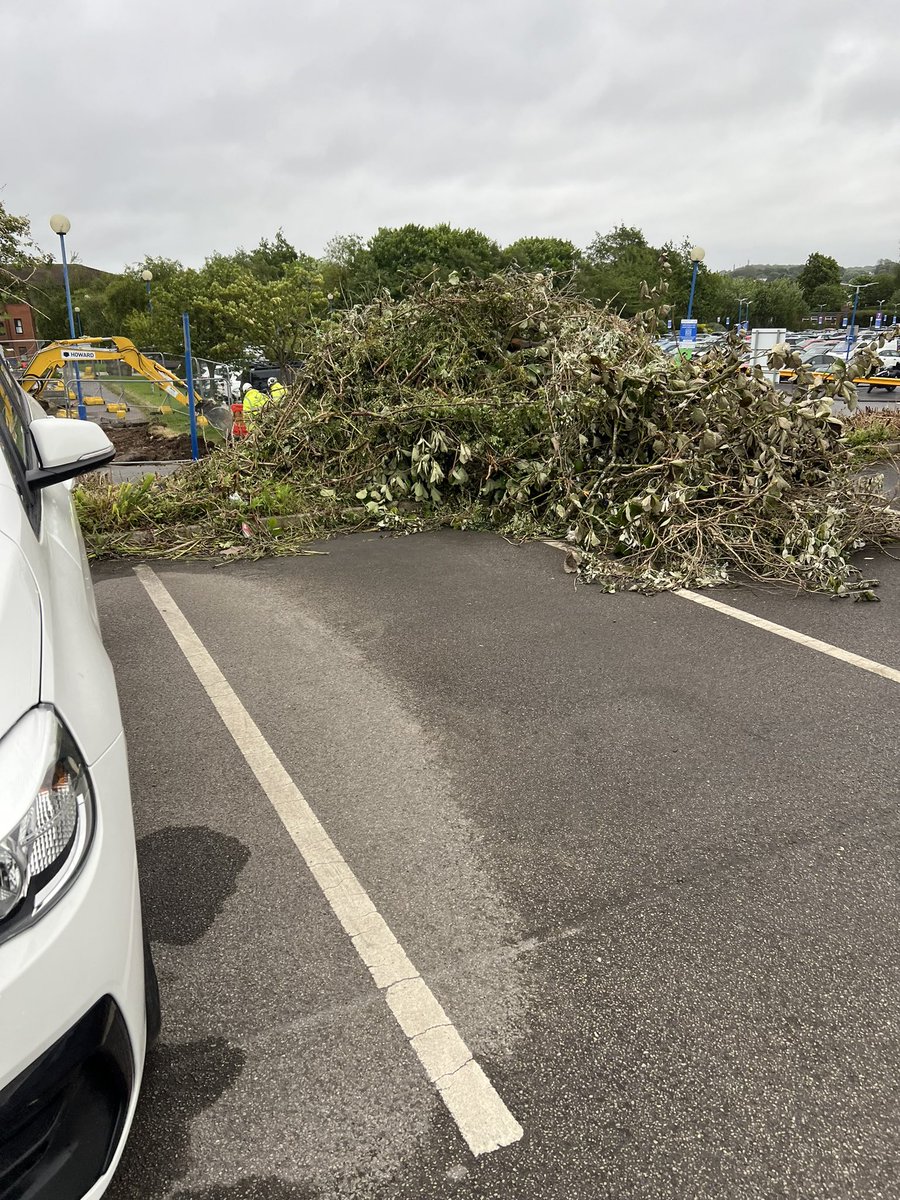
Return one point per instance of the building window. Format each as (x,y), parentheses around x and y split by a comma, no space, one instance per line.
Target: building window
(19,326)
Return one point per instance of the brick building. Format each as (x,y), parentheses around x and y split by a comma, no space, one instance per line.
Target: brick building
(18,339)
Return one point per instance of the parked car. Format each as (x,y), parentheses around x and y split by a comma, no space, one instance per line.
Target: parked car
(889,369)
(259,374)
(79,1002)
(821,360)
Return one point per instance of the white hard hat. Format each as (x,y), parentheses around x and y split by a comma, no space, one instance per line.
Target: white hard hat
(271,379)
(245,387)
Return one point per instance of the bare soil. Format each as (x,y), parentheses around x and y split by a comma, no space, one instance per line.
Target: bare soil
(142,443)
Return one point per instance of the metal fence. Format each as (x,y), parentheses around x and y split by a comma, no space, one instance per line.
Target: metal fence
(213,381)
(130,397)
(18,352)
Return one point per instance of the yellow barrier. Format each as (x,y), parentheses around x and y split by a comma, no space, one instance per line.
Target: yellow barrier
(786,375)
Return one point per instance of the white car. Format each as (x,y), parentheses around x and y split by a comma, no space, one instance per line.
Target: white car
(79,1002)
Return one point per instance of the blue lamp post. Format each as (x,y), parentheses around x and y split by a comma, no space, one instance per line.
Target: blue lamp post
(147,276)
(697,256)
(851,333)
(61,226)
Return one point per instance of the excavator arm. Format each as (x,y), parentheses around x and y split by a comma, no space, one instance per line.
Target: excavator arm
(90,350)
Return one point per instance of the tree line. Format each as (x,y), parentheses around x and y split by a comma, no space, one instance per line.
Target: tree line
(263,302)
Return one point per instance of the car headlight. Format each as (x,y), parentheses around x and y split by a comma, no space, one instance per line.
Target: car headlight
(46,817)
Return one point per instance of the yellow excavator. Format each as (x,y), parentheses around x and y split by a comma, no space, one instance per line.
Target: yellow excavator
(43,372)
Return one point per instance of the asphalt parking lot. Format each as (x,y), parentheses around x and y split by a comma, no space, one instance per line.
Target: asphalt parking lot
(640,854)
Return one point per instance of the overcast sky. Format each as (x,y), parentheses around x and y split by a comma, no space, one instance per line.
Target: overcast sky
(760,129)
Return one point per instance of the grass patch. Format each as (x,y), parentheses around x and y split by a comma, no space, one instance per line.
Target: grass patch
(150,397)
(873,436)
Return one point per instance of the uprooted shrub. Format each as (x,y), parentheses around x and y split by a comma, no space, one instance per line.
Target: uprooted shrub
(507,404)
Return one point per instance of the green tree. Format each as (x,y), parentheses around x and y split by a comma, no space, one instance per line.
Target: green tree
(270,260)
(173,291)
(719,293)
(830,296)
(820,269)
(716,294)
(778,302)
(397,257)
(47,296)
(541,254)
(347,270)
(236,316)
(614,266)
(19,255)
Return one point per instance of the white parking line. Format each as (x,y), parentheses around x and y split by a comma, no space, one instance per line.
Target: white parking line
(471,1099)
(792,635)
(802,639)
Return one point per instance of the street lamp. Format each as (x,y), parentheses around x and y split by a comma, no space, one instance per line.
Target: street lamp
(851,333)
(697,256)
(80,327)
(743,316)
(147,276)
(61,226)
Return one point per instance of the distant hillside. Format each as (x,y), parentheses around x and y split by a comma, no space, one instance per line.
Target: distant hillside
(766,271)
(80,276)
(790,271)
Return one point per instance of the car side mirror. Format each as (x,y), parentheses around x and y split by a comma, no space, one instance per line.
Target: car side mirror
(66,449)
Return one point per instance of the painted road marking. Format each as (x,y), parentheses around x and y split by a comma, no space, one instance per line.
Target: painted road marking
(471,1099)
(802,639)
(792,635)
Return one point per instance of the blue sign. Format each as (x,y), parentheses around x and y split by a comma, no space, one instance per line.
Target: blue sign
(821,319)
(670,324)
(728,322)
(844,323)
(688,331)
(878,319)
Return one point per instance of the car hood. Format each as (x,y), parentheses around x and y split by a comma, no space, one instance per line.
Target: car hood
(20,636)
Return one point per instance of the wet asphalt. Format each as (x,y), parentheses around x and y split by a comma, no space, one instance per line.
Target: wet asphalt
(644,855)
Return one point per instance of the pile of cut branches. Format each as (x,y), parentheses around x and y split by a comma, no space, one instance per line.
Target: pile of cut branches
(506,404)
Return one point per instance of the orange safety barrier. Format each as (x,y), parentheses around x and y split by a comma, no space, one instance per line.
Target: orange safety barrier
(238,428)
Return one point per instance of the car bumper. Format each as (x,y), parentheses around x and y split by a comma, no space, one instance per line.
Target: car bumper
(72,1017)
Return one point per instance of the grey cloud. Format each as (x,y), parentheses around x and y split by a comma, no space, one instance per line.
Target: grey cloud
(178,128)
